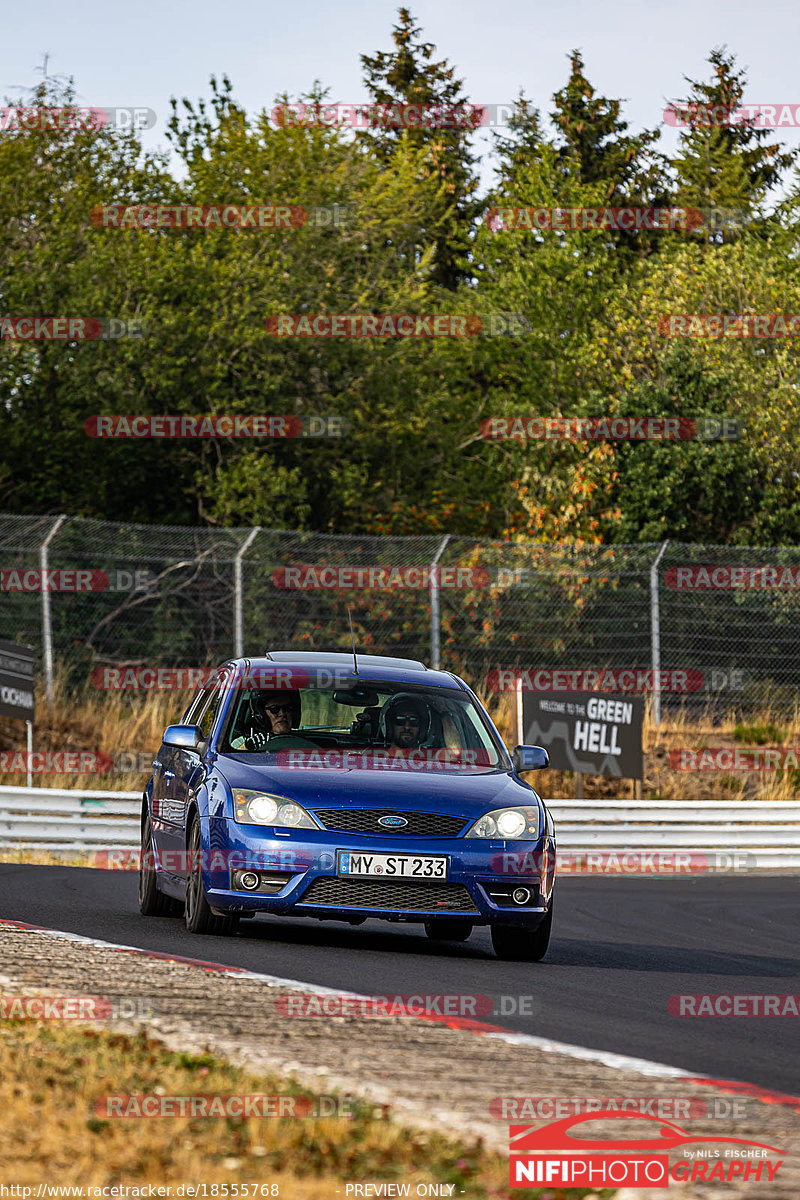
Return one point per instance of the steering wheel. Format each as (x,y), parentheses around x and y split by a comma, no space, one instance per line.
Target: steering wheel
(288,741)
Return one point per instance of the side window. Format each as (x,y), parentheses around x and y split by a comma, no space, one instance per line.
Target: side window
(195,707)
(206,718)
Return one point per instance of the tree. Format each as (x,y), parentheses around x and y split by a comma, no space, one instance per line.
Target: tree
(724,161)
(410,76)
(53,263)
(592,136)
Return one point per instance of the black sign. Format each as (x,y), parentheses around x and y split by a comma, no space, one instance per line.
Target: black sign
(16,681)
(592,733)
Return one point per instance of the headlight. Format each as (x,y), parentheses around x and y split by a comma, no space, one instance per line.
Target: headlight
(508,823)
(262,808)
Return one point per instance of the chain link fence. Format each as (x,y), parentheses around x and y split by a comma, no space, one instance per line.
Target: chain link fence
(697,625)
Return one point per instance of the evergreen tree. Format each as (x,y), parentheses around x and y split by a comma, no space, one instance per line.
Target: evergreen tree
(596,151)
(593,142)
(522,147)
(409,75)
(725,162)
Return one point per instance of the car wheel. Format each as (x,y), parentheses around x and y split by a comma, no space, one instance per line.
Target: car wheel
(523,945)
(199,917)
(152,902)
(448,931)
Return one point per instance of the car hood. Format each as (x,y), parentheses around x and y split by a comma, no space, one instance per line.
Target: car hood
(458,792)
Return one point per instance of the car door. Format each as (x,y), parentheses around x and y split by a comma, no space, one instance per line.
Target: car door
(167,807)
(188,765)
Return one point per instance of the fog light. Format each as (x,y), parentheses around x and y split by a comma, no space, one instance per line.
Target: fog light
(249,880)
(521,895)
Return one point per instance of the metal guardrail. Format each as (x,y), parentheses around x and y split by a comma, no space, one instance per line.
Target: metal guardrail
(766,831)
(764,834)
(56,819)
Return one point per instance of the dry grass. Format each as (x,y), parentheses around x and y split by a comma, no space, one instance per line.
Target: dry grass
(677,730)
(51,1076)
(132,724)
(111,723)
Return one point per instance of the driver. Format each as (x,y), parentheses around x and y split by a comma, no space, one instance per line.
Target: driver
(407,721)
(272,714)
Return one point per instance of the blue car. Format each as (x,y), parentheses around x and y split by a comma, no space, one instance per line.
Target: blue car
(347,787)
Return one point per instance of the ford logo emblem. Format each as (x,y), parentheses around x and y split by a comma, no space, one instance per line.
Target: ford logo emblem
(392,822)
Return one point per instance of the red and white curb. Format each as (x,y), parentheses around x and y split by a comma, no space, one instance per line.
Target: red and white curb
(607,1058)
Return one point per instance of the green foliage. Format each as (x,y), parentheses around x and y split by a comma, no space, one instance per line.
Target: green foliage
(593,143)
(413,460)
(725,163)
(409,75)
(759,735)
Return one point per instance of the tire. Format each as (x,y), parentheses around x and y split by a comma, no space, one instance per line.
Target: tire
(152,902)
(448,931)
(523,945)
(199,917)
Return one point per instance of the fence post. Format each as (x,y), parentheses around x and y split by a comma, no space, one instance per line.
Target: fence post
(238,618)
(434,593)
(655,635)
(47,625)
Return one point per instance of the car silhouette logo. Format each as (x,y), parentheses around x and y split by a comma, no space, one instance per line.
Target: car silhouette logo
(392,822)
(555,1137)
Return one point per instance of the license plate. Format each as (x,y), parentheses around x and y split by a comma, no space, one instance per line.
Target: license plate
(391,866)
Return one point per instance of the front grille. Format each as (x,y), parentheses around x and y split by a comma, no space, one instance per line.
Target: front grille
(365,820)
(389,895)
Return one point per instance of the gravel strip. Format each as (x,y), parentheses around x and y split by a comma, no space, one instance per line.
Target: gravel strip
(429,1073)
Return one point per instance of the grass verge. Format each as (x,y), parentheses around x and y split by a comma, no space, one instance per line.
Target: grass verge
(52,1075)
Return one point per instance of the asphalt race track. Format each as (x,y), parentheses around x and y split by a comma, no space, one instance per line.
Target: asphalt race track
(621,948)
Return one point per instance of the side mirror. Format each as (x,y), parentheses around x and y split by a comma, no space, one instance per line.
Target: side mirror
(530,758)
(185,737)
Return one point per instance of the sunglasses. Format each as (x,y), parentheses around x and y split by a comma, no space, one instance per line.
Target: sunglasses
(277,708)
(398,720)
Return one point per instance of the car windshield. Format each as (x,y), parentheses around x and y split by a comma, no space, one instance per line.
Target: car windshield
(376,720)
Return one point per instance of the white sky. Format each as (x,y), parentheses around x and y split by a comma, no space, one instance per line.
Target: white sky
(636,50)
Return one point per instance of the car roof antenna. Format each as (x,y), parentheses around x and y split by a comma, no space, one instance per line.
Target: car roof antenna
(353,640)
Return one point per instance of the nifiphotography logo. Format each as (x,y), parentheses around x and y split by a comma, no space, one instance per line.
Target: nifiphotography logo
(549,1154)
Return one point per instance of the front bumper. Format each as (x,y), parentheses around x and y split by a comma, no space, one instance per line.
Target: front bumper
(480,876)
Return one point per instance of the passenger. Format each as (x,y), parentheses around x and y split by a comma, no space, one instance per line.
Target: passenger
(407,720)
(273,714)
